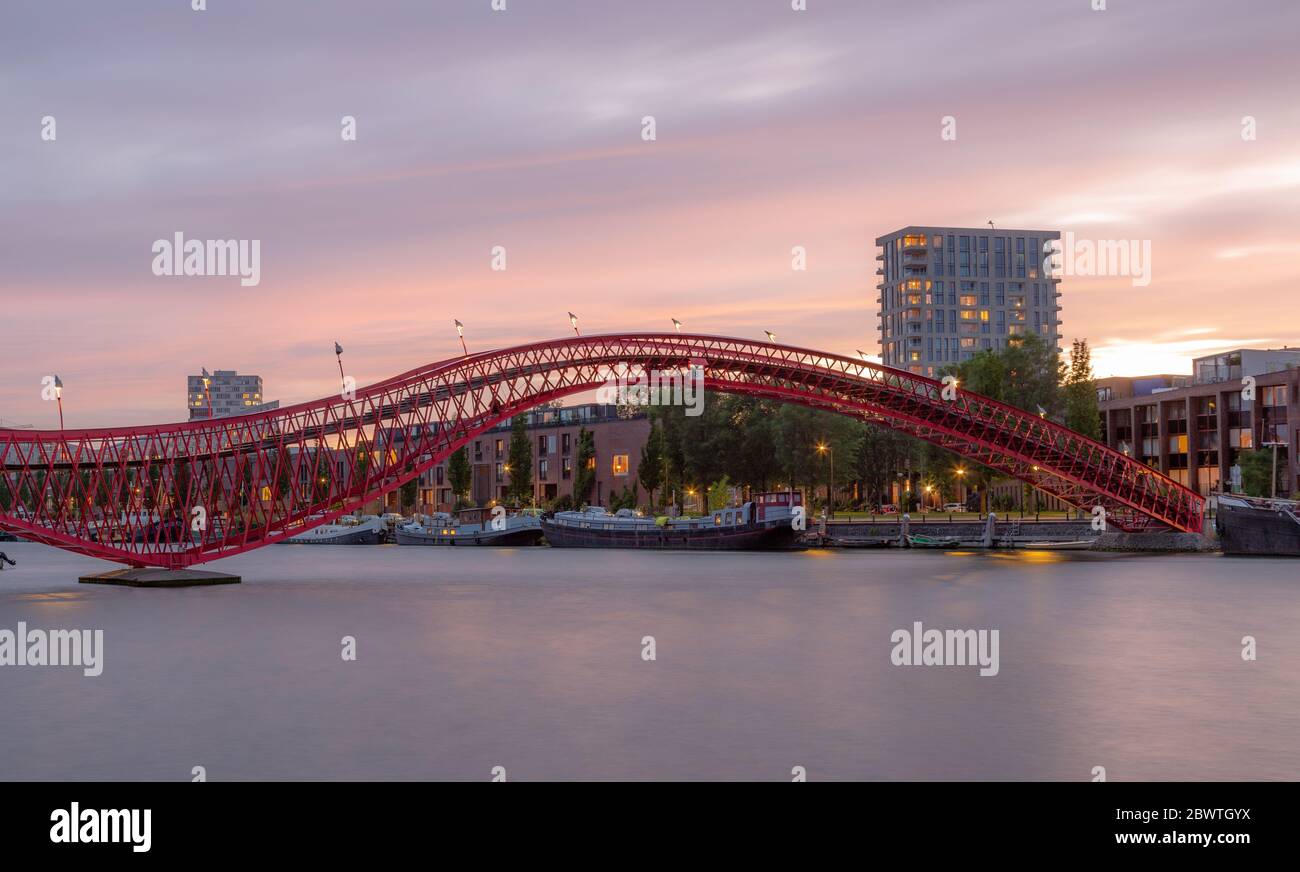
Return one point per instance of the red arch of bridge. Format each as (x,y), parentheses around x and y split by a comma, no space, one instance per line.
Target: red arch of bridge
(264,477)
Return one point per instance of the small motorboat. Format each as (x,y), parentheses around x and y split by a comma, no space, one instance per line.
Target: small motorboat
(917,540)
(1070,545)
(859,543)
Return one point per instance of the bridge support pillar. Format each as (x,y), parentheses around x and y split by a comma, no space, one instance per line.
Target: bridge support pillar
(150,576)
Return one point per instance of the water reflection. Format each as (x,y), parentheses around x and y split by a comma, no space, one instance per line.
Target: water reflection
(531,659)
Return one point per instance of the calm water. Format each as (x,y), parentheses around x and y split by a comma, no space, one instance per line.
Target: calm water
(531,660)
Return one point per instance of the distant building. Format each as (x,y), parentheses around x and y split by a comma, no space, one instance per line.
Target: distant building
(1193,428)
(231,394)
(554,434)
(947,293)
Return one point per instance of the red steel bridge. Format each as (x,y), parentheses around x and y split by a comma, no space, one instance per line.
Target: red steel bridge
(123,493)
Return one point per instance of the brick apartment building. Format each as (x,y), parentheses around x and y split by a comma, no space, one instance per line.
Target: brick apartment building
(554,436)
(1194,427)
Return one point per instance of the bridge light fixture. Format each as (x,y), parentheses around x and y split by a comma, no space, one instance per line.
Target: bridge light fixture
(677,325)
(771,337)
(58,396)
(573,322)
(460,332)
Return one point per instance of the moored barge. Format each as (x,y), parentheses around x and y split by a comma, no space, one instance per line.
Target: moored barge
(769,521)
(1255,526)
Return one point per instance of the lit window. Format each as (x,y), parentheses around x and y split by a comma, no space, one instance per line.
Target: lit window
(620,464)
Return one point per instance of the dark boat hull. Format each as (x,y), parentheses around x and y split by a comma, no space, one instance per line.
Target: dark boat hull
(1258,531)
(526,536)
(771,535)
(361,537)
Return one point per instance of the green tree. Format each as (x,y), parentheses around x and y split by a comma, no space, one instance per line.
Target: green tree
(880,455)
(1081,411)
(1257,472)
(408,492)
(1027,374)
(284,474)
(520,489)
(321,476)
(460,475)
(624,499)
(651,468)
(719,494)
(584,474)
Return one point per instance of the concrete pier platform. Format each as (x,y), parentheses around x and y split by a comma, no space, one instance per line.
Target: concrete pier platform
(153,577)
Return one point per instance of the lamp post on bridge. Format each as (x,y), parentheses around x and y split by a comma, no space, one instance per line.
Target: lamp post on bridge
(460,332)
(338,354)
(573,322)
(58,396)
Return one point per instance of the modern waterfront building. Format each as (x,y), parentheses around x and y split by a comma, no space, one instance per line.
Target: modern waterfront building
(947,293)
(231,394)
(1194,427)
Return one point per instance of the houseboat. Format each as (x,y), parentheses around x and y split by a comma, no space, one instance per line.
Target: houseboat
(1251,525)
(471,527)
(769,521)
(348,530)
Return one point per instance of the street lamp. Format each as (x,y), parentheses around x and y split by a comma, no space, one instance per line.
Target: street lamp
(823,448)
(338,355)
(59,397)
(573,322)
(677,325)
(771,337)
(460,332)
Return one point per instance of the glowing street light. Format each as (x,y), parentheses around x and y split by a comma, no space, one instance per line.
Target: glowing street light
(460,331)
(677,325)
(338,353)
(823,448)
(207,381)
(58,395)
(771,337)
(573,321)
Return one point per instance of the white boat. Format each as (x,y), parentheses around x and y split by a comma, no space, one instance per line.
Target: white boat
(471,527)
(347,530)
(1049,545)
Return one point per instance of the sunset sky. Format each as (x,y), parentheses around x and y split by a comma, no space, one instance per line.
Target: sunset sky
(522,128)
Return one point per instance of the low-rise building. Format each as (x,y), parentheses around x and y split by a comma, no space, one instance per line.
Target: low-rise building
(1193,428)
(554,434)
